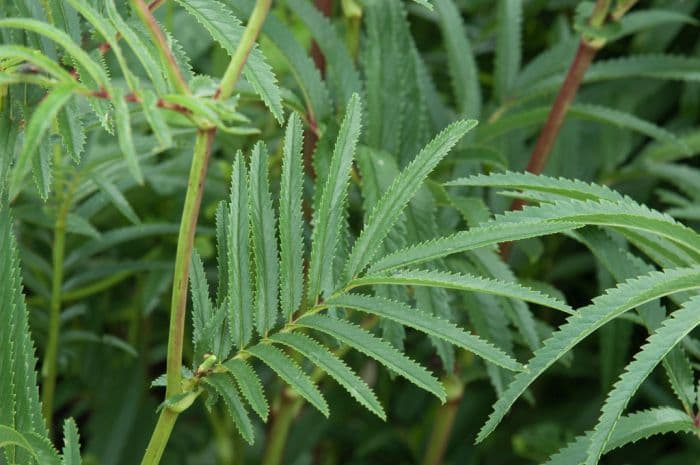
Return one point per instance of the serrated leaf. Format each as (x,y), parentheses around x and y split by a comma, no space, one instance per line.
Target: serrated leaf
(612,304)
(264,239)
(72,131)
(290,372)
(665,338)
(115,196)
(140,49)
(224,386)
(508,46)
(227,30)
(389,208)
(61,38)
(71,443)
(342,75)
(329,215)
(463,282)
(378,349)
(240,297)
(250,386)
(428,324)
(202,310)
(461,63)
(124,135)
(626,216)
(335,367)
(10,437)
(629,429)
(291,220)
(149,104)
(35,132)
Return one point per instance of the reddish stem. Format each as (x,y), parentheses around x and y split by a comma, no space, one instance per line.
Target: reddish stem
(548,135)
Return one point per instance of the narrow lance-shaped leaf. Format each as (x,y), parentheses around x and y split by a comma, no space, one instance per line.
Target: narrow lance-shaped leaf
(124,134)
(264,237)
(587,320)
(462,65)
(508,46)
(329,216)
(240,297)
(378,349)
(427,323)
(223,384)
(388,210)
(71,443)
(290,372)
(659,344)
(290,219)
(201,305)
(115,196)
(463,282)
(149,104)
(335,367)
(35,132)
(250,385)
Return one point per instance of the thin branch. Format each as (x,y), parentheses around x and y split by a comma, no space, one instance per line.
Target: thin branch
(587,49)
(146,15)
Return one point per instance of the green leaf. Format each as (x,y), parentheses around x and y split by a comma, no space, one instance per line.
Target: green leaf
(71,443)
(115,197)
(463,282)
(615,302)
(508,46)
(109,34)
(627,216)
(490,234)
(227,30)
(425,3)
(61,38)
(461,62)
(224,385)
(329,215)
(72,131)
(290,219)
(378,349)
(302,67)
(240,297)
(141,49)
(555,188)
(629,429)
(342,75)
(389,208)
(149,104)
(10,437)
(290,372)
(36,58)
(427,323)
(264,238)
(35,132)
(19,394)
(124,135)
(250,386)
(334,366)
(636,21)
(670,333)
(202,310)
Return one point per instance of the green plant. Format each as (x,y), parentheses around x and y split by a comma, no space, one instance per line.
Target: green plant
(348,233)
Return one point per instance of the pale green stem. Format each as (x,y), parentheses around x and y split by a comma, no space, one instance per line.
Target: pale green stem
(235,67)
(49,369)
(188,225)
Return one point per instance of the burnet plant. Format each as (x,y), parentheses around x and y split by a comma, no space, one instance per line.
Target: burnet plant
(297,286)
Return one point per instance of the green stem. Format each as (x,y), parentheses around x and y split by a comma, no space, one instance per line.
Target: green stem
(235,67)
(290,404)
(444,420)
(49,370)
(166,54)
(188,224)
